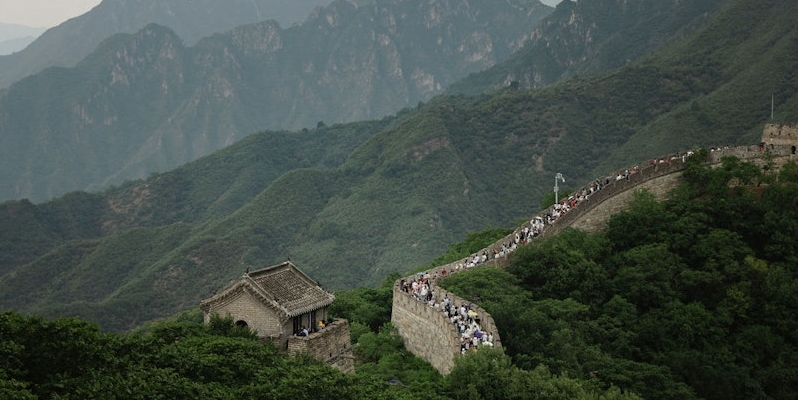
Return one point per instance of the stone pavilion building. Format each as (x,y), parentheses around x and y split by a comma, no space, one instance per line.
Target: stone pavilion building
(277,302)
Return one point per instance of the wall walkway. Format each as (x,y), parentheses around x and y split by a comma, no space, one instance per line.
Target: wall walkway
(428,334)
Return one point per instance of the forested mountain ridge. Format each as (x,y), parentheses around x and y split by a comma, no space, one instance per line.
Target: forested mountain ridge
(14,37)
(413,184)
(592,37)
(688,298)
(675,299)
(144,102)
(68,43)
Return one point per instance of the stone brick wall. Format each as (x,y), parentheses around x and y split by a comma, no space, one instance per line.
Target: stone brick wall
(426,332)
(596,219)
(332,345)
(429,335)
(780,135)
(244,307)
(593,214)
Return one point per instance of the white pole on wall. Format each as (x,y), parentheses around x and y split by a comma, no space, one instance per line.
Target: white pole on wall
(557,188)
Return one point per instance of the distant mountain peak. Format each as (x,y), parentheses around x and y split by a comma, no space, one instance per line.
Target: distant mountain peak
(144,102)
(66,44)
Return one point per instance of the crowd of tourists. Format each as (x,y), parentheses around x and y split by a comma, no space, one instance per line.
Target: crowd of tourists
(466,320)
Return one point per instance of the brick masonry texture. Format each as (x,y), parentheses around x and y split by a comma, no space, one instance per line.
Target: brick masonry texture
(331,344)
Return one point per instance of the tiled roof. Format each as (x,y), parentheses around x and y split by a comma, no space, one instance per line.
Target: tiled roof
(281,286)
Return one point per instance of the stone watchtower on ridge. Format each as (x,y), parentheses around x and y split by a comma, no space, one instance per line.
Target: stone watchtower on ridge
(781,135)
(277,303)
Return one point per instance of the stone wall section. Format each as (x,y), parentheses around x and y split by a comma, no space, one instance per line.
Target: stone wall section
(780,135)
(332,345)
(659,178)
(598,217)
(593,213)
(428,334)
(242,306)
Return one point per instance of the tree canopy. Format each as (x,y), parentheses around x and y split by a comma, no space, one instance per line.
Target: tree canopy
(693,297)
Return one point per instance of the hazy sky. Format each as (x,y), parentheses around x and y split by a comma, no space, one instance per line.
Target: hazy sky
(48,13)
(42,13)
(547,2)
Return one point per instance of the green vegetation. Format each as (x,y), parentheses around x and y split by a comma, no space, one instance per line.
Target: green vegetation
(180,358)
(625,31)
(473,243)
(694,297)
(353,203)
(72,359)
(691,298)
(67,129)
(367,309)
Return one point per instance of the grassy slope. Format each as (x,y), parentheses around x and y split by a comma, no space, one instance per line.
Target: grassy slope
(738,61)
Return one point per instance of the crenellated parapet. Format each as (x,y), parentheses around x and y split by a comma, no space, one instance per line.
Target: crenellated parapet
(330,344)
(780,135)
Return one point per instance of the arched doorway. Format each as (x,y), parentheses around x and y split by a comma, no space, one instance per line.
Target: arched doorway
(242,323)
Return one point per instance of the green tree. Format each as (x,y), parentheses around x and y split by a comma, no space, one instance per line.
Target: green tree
(645,275)
(789,172)
(365,306)
(13,389)
(484,374)
(645,221)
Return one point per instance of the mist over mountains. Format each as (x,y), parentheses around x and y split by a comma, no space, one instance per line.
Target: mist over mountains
(14,37)
(68,43)
(352,202)
(145,102)
(591,37)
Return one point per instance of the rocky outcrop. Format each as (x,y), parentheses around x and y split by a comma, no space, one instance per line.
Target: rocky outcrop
(144,102)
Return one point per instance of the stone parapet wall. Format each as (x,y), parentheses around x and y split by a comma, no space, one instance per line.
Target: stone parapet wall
(332,345)
(596,219)
(428,334)
(659,178)
(242,306)
(590,216)
(485,320)
(780,135)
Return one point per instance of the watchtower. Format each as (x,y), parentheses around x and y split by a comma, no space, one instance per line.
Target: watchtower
(283,305)
(781,135)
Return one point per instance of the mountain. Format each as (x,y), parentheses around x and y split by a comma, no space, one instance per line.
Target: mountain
(68,43)
(11,31)
(144,102)
(14,37)
(12,45)
(591,37)
(400,189)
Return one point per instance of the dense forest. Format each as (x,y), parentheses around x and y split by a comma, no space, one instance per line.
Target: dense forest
(184,359)
(351,203)
(690,298)
(695,297)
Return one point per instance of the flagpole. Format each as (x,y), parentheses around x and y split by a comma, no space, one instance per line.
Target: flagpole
(557,188)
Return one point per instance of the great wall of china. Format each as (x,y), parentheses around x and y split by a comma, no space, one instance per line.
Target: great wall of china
(428,334)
